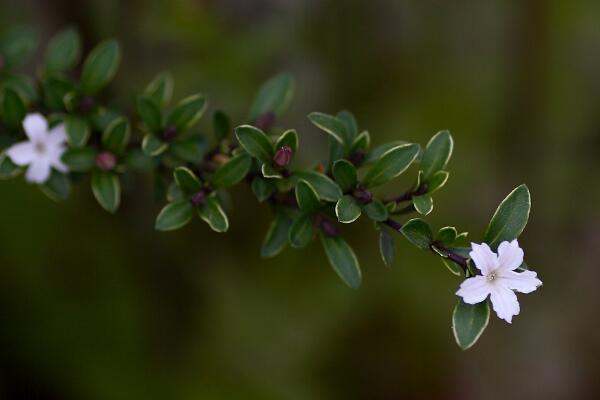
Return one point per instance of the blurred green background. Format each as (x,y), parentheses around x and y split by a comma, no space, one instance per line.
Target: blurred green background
(95,306)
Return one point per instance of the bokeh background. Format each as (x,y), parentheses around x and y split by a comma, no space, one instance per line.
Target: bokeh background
(95,306)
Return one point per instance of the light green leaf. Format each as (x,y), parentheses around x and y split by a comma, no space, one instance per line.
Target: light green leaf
(269,172)
(423,204)
(361,142)
(391,164)
(174,215)
(331,125)
(107,190)
(418,232)
(378,151)
(510,217)
(153,146)
(469,321)
(327,189)
(347,210)
(274,96)
(232,172)
(255,142)
(187,180)
(301,232)
(342,259)
(100,67)
(437,181)
(212,213)
(345,175)
(437,153)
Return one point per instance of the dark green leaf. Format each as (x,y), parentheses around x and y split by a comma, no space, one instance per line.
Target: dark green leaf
(153,146)
(187,180)
(262,188)
(150,113)
(187,112)
(288,138)
(418,232)
(342,259)
(277,235)
(79,160)
(446,235)
(8,169)
(336,150)
(423,204)
(174,216)
(307,197)
(107,190)
(17,45)
(63,51)
(387,246)
(510,217)
(160,89)
(376,210)
(345,175)
(232,172)
(347,210)
(437,181)
(212,213)
(255,142)
(378,151)
(221,126)
(78,131)
(331,125)
(100,66)
(454,268)
(361,142)
(137,160)
(55,89)
(350,123)
(57,187)
(274,96)
(191,149)
(13,109)
(116,136)
(437,153)
(327,189)
(469,321)
(301,232)
(269,172)
(391,164)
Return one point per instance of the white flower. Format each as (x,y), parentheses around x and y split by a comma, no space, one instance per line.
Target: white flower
(43,150)
(498,278)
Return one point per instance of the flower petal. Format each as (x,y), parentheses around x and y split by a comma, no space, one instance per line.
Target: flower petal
(474,290)
(35,126)
(510,255)
(38,171)
(58,135)
(505,302)
(22,153)
(524,282)
(485,259)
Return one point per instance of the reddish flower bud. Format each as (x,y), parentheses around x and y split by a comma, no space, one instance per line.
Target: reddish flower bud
(169,132)
(362,195)
(106,161)
(198,198)
(329,227)
(265,121)
(357,157)
(87,104)
(283,156)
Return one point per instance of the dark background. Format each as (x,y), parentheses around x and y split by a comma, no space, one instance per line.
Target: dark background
(95,306)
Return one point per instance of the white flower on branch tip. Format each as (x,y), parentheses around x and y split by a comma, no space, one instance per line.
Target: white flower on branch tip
(498,278)
(43,150)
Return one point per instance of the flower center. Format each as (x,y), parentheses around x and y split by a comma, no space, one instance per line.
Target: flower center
(491,276)
(40,148)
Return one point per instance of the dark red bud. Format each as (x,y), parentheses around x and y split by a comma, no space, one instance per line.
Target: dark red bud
(198,198)
(283,156)
(87,104)
(329,227)
(357,157)
(265,121)
(362,195)
(106,161)
(170,132)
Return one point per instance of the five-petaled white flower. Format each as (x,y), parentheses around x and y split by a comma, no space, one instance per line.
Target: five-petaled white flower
(498,278)
(43,150)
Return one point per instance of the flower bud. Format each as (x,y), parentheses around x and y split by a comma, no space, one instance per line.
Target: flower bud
(87,104)
(283,156)
(169,132)
(357,157)
(198,198)
(106,161)
(329,227)
(362,195)
(265,121)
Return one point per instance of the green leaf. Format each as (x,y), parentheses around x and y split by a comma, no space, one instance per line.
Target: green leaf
(274,96)
(100,67)
(262,188)
(277,235)
(387,246)
(335,127)
(13,109)
(221,125)
(187,112)
(255,142)
(301,232)
(376,153)
(469,321)
(423,204)
(8,169)
(350,123)
(437,153)
(347,210)
(361,142)
(307,197)
(55,89)
(437,181)
(232,172)
(336,150)
(345,175)
(57,187)
(160,89)
(107,190)
(418,232)
(79,160)
(452,267)
(376,210)
(391,164)
(116,135)
(78,131)
(446,235)
(153,146)
(63,51)
(174,216)
(24,85)
(191,149)
(17,45)
(187,180)
(150,113)
(327,189)
(342,259)
(288,138)
(510,217)
(269,172)
(212,213)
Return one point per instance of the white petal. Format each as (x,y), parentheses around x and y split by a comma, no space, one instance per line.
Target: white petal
(524,282)
(55,159)
(22,153)
(35,126)
(38,171)
(510,255)
(58,135)
(485,259)
(474,290)
(504,302)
